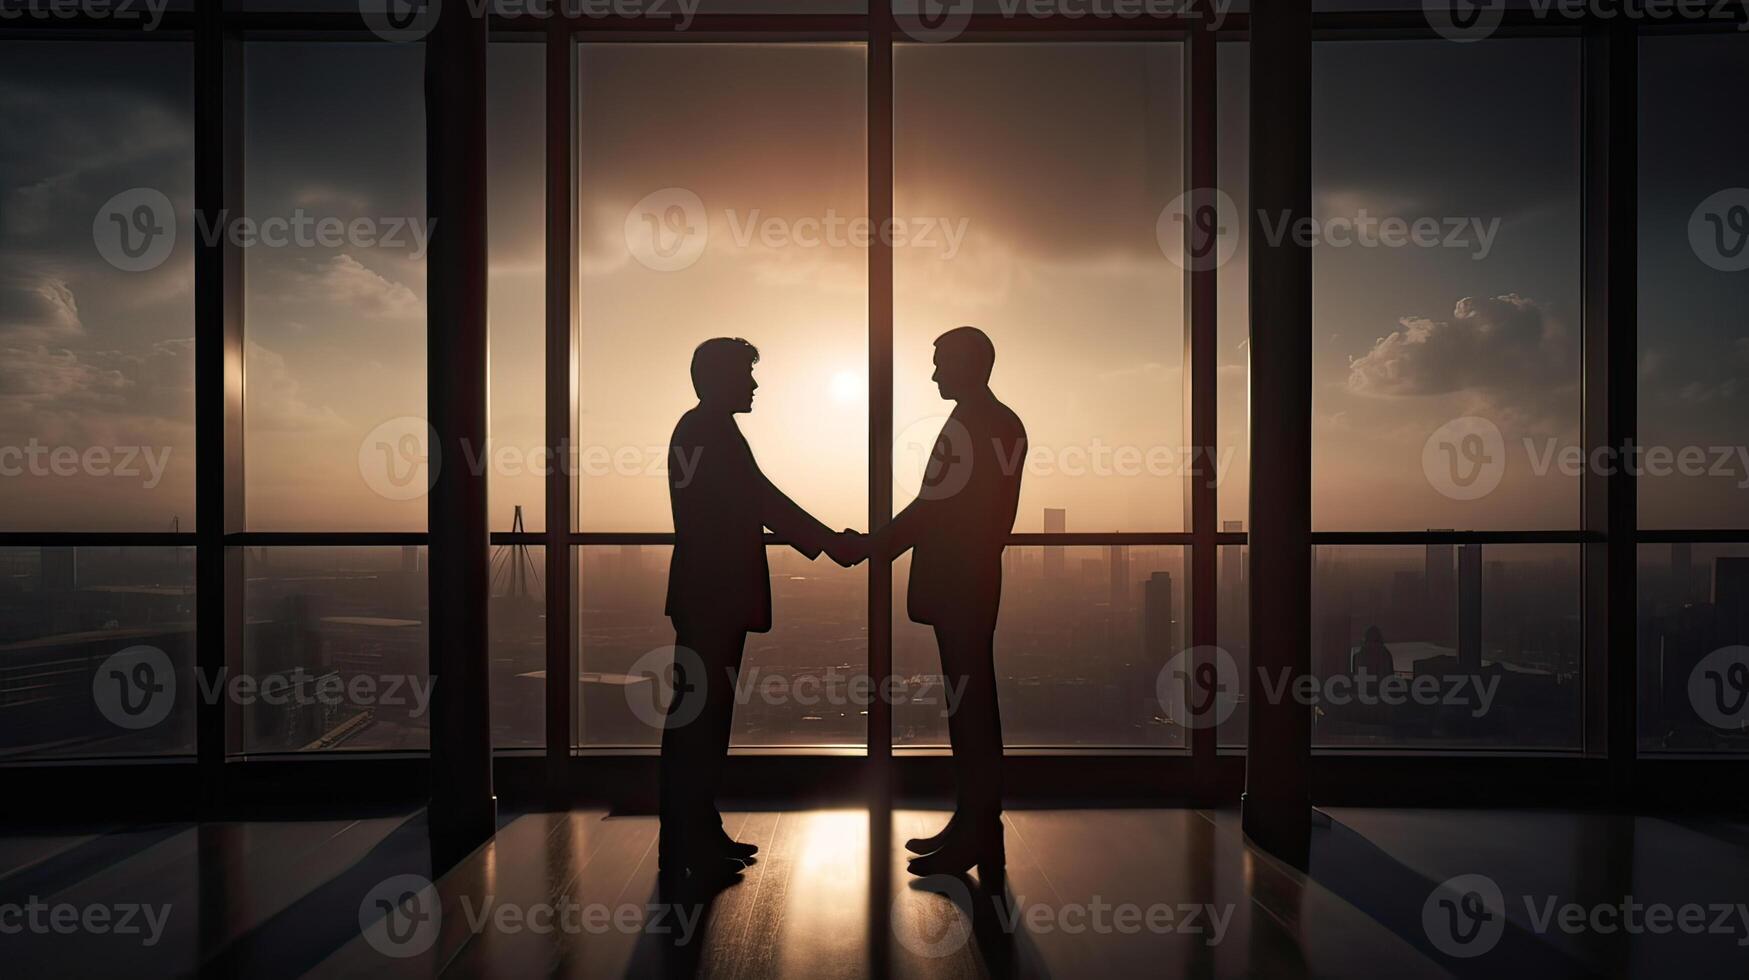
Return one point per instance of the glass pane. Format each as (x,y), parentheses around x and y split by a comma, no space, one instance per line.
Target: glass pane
(1084,636)
(1446,278)
(96,652)
(1233,289)
(1694,248)
(516,293)
(1031,179)
(335,655)
(96,286)
(517,672)
(748,227)
(334,240)
(1694,648)
(1445,646)
(803,683)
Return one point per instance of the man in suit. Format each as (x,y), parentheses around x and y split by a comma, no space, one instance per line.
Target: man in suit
(956,529)
(719,590)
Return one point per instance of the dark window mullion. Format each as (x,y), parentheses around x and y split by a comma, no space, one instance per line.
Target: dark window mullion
(880,381)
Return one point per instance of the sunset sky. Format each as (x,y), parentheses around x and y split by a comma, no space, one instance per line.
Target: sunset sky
(1041,169)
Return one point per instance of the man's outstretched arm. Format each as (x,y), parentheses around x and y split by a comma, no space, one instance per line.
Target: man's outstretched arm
(789,521)
(904,531)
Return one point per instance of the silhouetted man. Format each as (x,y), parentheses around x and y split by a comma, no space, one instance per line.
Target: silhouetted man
(719,590)
(957,528)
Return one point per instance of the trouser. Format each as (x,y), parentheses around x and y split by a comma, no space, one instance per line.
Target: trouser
(695,738)
(974,723)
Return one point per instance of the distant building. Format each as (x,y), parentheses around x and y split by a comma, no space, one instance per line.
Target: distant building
(1441,591)
(1159,633)
(1682,573)
(1056,522)
(1731,599)
(1118,557)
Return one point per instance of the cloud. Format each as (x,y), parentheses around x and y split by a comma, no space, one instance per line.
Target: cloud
(344,282)
(276,401)
(105,397)
(38,308)
(1700,393)
(1508,349)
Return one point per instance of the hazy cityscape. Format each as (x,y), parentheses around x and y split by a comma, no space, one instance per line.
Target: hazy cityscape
(1084,636)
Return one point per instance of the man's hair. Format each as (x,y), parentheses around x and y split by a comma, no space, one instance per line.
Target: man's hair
(973,346)
(718,358)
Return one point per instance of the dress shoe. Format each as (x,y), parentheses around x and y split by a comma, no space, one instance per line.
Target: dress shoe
(737,850)
(730,847)
(960,853)
(924,845)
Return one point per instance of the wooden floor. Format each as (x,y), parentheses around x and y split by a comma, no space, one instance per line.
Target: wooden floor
(1090,893)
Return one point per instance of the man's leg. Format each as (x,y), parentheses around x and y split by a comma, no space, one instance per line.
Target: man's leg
(974,723)
(955,682)
(723,664)
(679,766)
(695,741)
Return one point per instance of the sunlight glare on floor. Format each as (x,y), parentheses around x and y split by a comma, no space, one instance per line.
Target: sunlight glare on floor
(828,891)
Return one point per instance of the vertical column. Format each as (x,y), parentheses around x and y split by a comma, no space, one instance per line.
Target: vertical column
(1611,82)
(1201,109)
(218,354)
(462,807)
(561,380)
(1277,812)
(880,382)
(880,481)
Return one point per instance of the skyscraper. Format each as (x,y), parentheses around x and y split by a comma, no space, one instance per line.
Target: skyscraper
(1682,573)
(1159,638)
(1731,599)
(1441,592)
(1056,521)
(1470,608)
(1119,560)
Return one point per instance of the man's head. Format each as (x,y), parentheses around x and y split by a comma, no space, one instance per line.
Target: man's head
(964,357)
(722,373)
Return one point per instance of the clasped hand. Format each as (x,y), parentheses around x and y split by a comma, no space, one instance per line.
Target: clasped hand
(848,547)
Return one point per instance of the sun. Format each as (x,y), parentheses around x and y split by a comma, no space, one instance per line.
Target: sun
(848,388)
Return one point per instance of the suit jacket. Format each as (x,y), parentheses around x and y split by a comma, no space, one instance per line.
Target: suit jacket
(718,576)
(963,514)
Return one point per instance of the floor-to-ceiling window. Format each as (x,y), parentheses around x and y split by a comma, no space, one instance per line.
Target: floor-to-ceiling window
(720,185)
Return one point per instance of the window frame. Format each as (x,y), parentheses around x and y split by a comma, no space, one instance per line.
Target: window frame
(1609,531)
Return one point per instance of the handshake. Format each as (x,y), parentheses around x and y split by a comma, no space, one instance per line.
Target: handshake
(848,547)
